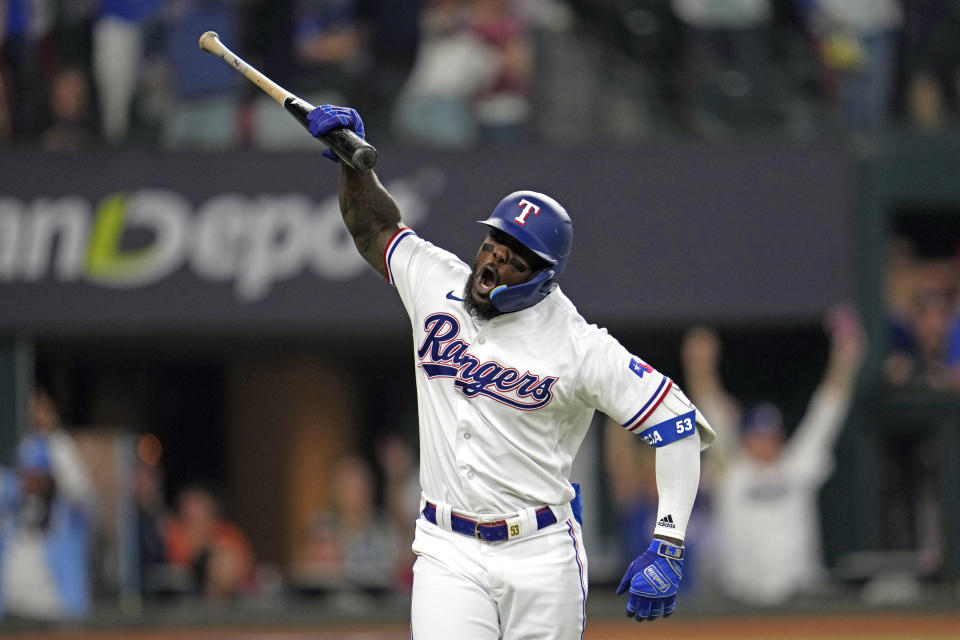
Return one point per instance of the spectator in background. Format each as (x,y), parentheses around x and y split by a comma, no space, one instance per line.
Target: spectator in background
(150,517)
(767,479)
(204,112)
(502,107)
(401,497)
(24,66)
(213,550)
(856,42)
(46,521)
(931,61)
(118,48)
(391,35)
(727,53)
(71,128)
(452,66)
(266,33)
(899,279)
(328,60)
(328,47)
(73,31)
(921,334)
(350,546)
(953,341)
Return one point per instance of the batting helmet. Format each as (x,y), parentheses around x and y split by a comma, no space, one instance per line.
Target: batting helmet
(542,225)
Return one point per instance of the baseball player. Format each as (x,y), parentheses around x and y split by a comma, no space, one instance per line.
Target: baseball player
(508,377)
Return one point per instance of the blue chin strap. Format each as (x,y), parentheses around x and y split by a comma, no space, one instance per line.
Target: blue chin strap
(520,296)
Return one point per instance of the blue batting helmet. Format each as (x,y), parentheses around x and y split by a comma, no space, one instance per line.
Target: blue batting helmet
(542,225)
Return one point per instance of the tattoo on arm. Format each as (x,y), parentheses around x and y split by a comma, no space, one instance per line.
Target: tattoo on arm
(369,212)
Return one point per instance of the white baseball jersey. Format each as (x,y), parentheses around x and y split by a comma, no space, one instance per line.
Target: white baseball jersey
(505,403)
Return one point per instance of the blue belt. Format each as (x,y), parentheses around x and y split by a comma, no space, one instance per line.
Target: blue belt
(489,531)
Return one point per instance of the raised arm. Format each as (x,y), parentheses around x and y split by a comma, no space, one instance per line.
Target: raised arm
(70,470)
(810,445)
(370,214)
(700,355)
(369,211)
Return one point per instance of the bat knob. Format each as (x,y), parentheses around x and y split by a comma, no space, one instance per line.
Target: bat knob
(207,35)
(365,158)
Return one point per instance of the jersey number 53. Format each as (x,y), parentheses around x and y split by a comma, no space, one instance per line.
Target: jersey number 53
(685,424)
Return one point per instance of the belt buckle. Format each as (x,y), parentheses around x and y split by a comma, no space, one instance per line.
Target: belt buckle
(476,530)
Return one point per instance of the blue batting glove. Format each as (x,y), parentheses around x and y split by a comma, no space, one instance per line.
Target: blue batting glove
(653,579)
(327,117)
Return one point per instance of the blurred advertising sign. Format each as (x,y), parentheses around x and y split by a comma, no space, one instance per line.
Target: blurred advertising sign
(142,242)
(133,239)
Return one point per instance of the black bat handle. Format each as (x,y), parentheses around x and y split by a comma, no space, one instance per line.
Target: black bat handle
(349,147)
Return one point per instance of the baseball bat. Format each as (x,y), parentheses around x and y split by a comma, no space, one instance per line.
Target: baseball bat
(348,146)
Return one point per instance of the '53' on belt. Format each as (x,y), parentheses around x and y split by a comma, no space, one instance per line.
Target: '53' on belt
(492,531)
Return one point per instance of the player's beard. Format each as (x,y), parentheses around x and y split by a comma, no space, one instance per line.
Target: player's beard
(483,309)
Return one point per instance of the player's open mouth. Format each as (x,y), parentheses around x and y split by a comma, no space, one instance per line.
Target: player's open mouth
(486,281)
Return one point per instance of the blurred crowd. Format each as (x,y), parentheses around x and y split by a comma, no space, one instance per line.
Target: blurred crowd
(61,506)
(458,73)
(759,502)
(355,544)
(924,316)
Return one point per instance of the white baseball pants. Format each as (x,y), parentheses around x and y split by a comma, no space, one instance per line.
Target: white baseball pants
(470,589)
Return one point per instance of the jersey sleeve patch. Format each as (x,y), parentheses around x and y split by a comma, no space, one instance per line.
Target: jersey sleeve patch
(639,367)
(647,409)
(671,430)
(391,247)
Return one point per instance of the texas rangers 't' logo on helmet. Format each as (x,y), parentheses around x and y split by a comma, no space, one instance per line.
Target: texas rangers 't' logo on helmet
(542,225)
(539,222)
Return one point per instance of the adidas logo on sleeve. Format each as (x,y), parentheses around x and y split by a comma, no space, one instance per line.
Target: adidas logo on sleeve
(667,521)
